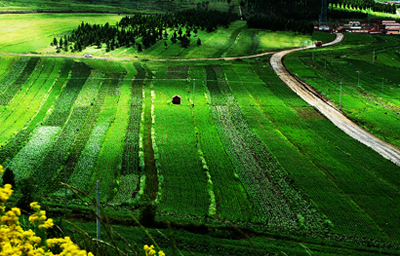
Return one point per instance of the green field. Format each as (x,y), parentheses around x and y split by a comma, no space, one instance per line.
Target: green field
(35,36)
(227,155)
(370,86)
(242,166)
(120,6)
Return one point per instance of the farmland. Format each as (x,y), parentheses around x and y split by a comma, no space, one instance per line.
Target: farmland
(242,166)
(227,155)
(367,74)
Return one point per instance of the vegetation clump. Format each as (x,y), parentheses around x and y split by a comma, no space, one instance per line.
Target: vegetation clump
(144,30)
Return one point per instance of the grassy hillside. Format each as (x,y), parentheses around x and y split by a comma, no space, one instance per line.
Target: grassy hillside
(33,33)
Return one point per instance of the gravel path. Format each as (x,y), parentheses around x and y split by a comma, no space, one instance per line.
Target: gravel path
(328,109)
(123,58)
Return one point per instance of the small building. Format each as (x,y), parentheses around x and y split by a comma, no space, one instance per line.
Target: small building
(176,99)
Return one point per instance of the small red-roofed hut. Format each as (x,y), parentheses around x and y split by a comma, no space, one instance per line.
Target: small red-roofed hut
(176,99)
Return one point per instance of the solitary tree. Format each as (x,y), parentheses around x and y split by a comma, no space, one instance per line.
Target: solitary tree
(55,42)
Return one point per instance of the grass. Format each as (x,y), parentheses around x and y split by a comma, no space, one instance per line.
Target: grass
(35,36)
(237,137)
(123,6)
(249,150)
(369,87)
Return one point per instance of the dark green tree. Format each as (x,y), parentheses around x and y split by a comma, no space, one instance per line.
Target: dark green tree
(198,41)
(61,43)
(55,42)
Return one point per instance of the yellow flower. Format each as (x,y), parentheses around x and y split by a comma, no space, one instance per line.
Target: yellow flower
(16,210)
(14,241)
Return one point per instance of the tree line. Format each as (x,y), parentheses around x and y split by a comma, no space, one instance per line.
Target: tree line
(364,5)
(143,31)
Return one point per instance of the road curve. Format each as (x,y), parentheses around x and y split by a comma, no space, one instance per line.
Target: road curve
(329,110)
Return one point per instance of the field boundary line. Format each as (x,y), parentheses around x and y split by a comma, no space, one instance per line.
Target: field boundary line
(138,59)
(328,109)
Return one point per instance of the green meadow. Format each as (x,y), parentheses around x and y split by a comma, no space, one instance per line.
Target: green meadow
(33,33)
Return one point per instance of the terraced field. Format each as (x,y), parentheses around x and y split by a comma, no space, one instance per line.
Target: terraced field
(240,145)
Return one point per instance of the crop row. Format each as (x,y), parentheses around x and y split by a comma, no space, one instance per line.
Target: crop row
(109,160)
(184,189)
(14,105)
(247,95)
(11,90)
(21,113)
(130,160)
(96,97)
(30,156)
(126,184)
(10,67)
(128,180)
(12,147)
(49,169)
(62,107)
(267,202)
(230,198)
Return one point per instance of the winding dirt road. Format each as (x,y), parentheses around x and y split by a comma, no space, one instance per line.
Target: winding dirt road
(308,94)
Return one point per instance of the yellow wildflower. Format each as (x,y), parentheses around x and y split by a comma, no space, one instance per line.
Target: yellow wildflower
(14,241)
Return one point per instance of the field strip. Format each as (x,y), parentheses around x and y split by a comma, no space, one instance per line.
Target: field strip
(328,109)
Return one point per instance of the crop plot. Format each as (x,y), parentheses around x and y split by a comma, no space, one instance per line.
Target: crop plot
(363,81)
(240,145)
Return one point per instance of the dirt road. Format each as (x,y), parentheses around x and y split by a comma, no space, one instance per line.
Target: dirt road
(328,109)
(130,59)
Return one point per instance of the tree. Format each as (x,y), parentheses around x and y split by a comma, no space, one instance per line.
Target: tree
(228,1)
(55,42)
(185,42)
(165,44)
(61,43)
(198,41)
(140,47)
